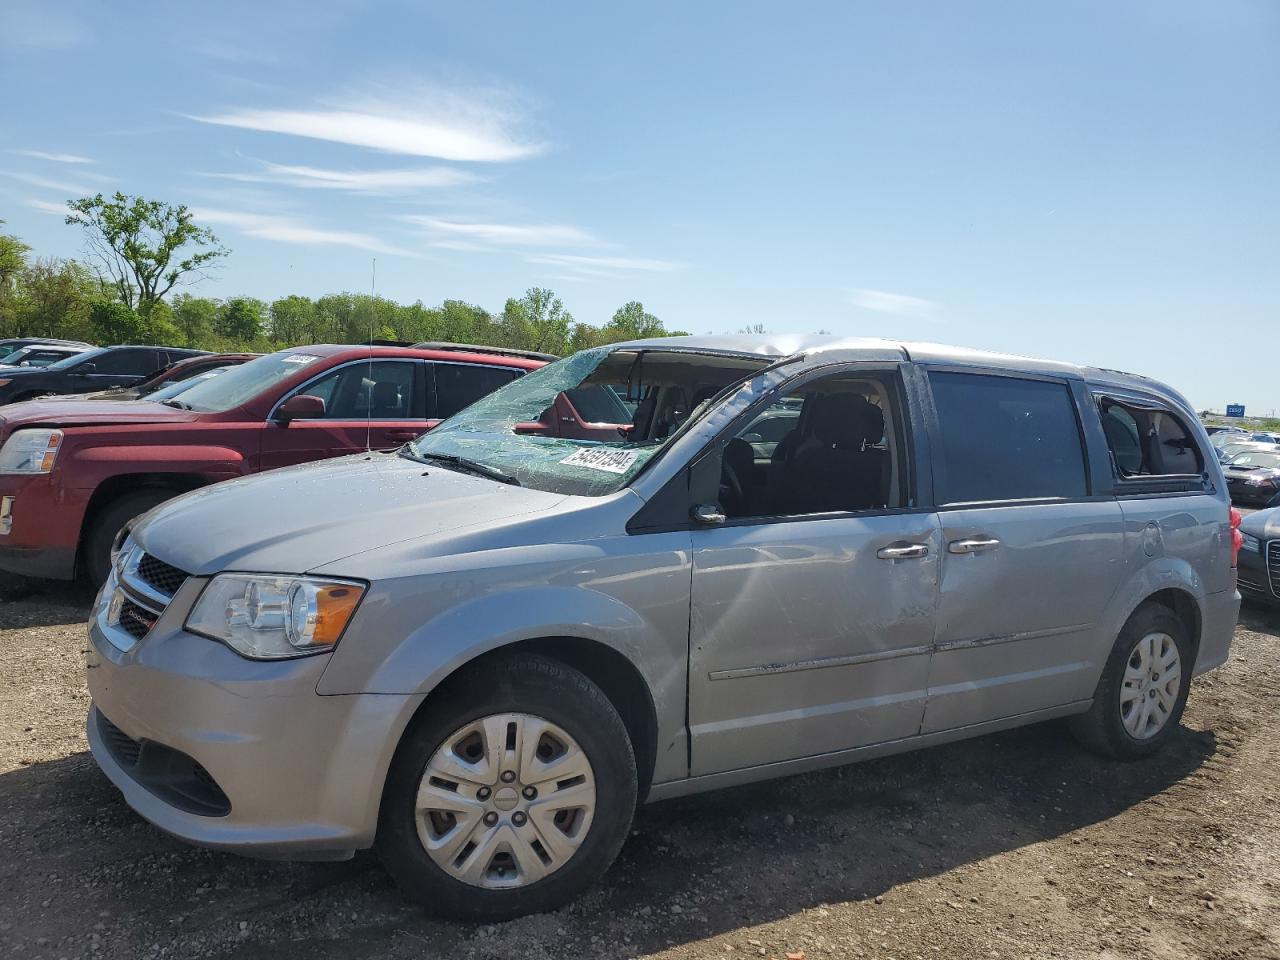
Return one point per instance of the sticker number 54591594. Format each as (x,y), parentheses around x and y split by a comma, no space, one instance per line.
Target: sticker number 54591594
(609,459)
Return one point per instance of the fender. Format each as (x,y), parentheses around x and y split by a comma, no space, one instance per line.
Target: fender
(1164,573)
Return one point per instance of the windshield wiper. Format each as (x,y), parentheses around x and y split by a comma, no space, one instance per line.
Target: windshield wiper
(176,404)
(462,463)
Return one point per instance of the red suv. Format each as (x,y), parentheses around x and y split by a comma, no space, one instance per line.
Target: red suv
(73,473)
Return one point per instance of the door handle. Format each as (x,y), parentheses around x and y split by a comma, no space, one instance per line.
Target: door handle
(903,551)
(402,434)
(973,545)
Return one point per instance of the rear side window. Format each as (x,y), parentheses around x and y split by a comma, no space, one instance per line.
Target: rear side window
(459,385)
(126,363)
(1148,442)
(1005,438)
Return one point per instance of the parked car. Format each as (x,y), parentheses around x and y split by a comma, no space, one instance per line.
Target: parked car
(1259,578)
(1253,477)
(478,654)
(86,372)
(1228,450)
(1217,429)
(40,355)
(17,343)
(173,373)
(72,472)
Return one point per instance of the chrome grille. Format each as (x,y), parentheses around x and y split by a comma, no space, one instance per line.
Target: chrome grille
(1273,566)
(162,576)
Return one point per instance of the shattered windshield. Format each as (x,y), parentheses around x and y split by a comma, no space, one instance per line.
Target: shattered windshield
(584,425)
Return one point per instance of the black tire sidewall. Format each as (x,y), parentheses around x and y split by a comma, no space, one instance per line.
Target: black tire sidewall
(525,684)
(1118,742)
(95,555)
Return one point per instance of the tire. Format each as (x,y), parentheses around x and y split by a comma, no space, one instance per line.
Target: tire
(1104,729)
(95,552)
(544,691)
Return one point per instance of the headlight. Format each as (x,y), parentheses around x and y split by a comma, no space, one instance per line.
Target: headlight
(1251,543)
(269,618)
(30,451)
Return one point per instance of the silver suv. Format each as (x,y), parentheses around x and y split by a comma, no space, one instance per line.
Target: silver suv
(648,570)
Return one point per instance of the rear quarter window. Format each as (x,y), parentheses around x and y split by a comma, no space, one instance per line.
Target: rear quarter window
(1148,442)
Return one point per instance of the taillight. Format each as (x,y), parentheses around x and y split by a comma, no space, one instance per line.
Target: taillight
(1237,538)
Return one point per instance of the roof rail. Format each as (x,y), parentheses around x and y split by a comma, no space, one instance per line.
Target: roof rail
(476,348)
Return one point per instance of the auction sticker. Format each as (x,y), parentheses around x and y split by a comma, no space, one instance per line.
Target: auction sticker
(299,358)
(602,458)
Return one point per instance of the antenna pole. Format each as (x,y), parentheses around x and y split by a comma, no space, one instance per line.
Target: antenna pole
(368,410)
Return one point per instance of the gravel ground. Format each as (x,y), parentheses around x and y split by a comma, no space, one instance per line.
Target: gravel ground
(1013,845)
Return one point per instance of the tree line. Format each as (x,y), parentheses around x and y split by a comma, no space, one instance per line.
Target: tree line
(140,252)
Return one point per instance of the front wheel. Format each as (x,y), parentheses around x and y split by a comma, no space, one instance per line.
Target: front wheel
(95,553)
(511,794)
(1143,689)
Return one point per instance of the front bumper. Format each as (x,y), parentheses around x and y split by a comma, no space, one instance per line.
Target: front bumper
(299,774)
(1253,578)
(1250,494)
(44,526)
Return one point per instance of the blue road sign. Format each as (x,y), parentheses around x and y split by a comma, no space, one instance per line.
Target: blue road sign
(1235,409)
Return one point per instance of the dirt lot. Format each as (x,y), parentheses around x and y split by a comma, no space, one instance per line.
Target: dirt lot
(1015,845)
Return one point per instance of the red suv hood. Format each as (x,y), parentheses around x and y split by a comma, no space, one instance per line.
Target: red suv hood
(85,413)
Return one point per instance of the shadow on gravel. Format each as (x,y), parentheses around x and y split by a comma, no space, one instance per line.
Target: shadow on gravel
(694,867)
(1260,618)
(33,603)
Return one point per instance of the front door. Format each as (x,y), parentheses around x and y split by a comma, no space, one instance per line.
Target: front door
(813,603)
(1030,559)
(377,405)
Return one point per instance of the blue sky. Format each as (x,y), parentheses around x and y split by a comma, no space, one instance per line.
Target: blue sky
(1092,181)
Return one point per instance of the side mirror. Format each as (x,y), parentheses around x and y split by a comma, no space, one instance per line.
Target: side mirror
(301,406)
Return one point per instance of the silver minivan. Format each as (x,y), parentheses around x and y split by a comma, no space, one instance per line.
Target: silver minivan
(725,559)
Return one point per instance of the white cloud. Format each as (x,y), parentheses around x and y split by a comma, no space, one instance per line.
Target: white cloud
(54,157)
(355,181)
(44,206)
(422,122)
(450,233)
(589,264)
(284,230)
(898,304)
(48,184)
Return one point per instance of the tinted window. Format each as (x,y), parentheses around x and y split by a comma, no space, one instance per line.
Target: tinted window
(828,446)
(1006,439)
(1148,443)
(381,390)
(126,363)
(460,385)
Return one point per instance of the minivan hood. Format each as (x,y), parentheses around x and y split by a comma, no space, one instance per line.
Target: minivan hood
(1263,524)
(300,518)
(85,413)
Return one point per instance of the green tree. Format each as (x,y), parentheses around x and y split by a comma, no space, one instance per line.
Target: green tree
(293,320)
(115,322)
(13,260)
(144,247)
(240,318)
(194,318)
(632,322)
(537,321)
(54,297)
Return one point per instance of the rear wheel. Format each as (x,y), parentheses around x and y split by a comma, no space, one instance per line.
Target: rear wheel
(511,794)
(1143,689)
(96,550)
